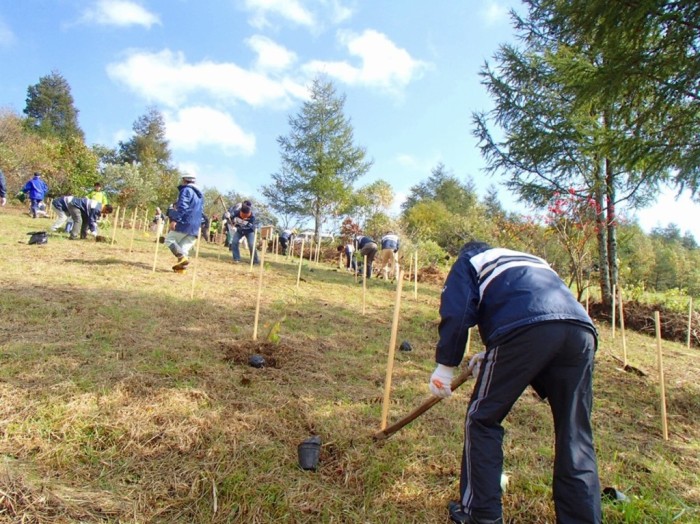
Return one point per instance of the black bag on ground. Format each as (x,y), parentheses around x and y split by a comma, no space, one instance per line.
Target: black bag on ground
(38,237)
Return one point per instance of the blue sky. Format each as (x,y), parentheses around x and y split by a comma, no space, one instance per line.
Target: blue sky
(227,74)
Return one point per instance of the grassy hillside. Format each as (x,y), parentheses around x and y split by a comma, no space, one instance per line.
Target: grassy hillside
(124,400)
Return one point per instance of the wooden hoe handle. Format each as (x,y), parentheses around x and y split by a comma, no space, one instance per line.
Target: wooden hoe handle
(425,406)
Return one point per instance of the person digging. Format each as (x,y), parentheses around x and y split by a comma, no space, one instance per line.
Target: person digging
(185,221)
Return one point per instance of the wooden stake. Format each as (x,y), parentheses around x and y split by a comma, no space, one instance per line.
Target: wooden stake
(159,231)
(588,294)
(659,359)
(690,320)
(622,330)
(114,229)
(469,341)
(392,350)
(196,257)
(123,218)
(410,267)
(144,224)
(133,228)
(301,258)
(415,276)
(260,286)
(252,249)
(364,284)
(613,310)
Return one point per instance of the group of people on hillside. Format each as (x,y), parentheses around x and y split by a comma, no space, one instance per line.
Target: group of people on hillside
(365,246)
(186,217)
(80,215)
(535,333)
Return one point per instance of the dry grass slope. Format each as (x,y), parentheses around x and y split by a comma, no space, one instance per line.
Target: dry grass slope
(123,400)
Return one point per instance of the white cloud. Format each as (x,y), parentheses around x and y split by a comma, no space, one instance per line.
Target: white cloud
(193,127)
(311,14)
(422,165)
(671,209)
(338,12)
(291,10)
(166,77)
(399,198)
(120,13)
(271,55)
(494,13)
(382,63)
(7,37)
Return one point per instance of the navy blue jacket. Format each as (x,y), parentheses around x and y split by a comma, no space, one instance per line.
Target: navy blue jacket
(243,225)
(363,241)
(61,203)
(35,188)
(89,209)
(3,185)
(188,210)
(391,242)
(500,291)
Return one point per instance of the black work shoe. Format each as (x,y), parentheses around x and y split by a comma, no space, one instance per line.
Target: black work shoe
(458,516)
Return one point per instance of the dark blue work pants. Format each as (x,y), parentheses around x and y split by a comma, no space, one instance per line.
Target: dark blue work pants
(557,359)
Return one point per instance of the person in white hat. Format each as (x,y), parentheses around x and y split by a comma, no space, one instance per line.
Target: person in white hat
(185,221)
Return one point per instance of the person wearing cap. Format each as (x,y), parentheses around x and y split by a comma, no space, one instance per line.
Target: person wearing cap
(367,248)
(98,194)
(185,221)
(36,190)
(85,214)
(388,256)
(536,333)
(244,223)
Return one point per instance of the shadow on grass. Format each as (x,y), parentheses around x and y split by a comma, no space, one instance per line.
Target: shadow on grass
(112,262)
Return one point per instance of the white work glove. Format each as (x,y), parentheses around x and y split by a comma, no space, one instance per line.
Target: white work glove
(3,201)
(475,363)
(441,380)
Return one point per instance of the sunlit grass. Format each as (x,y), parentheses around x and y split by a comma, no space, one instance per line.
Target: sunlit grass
(119,396)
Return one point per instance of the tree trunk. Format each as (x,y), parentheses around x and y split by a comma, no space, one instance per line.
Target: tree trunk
(611,225)
(318,220)
(601,235)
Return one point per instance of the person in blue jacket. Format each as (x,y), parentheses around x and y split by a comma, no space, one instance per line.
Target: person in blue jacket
(60,205)
(36,190)
(536,333)
(85,214)
(243,221)
(286,237)
(3,189)
(185,221)
(367,248)
(388,256)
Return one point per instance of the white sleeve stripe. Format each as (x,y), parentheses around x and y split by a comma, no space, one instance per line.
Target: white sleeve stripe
(500,269)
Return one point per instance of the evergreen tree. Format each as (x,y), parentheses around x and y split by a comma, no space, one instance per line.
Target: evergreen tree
(149,148)
(652,56)
(443,186)
(320,162)
(149,143)
(557,140)
(50,108)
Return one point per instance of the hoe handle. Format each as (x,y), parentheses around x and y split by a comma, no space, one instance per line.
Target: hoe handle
(425,406)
